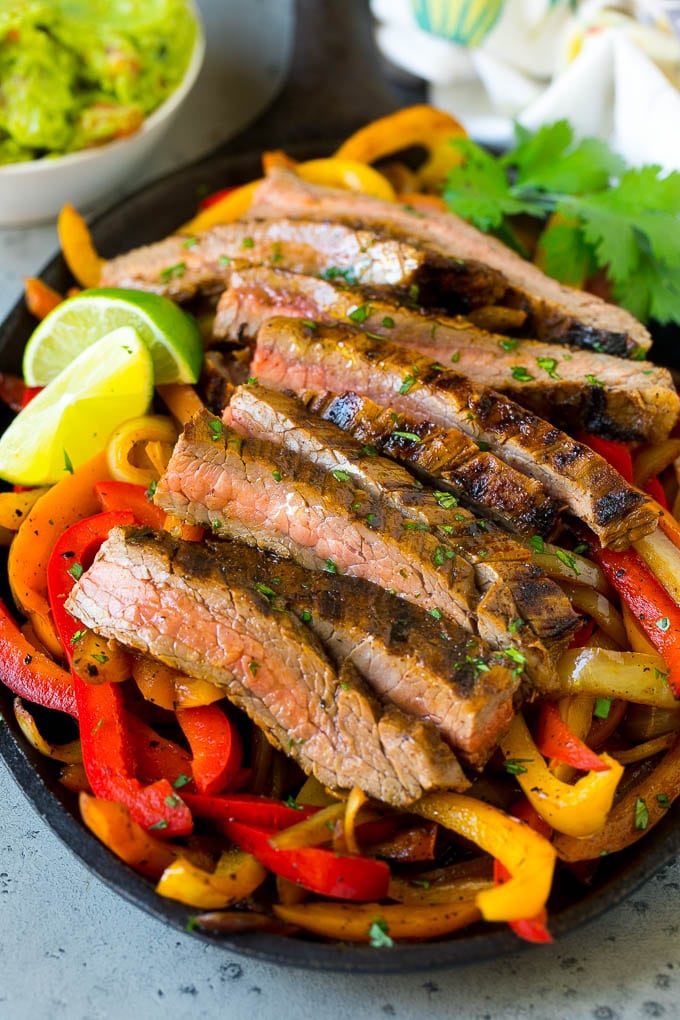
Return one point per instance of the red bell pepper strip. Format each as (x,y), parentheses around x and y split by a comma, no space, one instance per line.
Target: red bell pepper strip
(157,757)
(214,197)
(319,871)
(615,453)
(108,750)
(215,744)
(115,496)
(655,489)
(554,739)
(654,609)
(531,929)
(29,673)
(261,812)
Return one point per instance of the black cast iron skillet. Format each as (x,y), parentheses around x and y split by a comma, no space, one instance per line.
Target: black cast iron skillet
(334,86)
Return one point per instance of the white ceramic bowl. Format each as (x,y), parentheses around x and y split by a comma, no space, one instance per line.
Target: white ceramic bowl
(34,192)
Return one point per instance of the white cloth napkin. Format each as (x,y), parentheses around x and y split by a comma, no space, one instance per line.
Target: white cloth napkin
(541,63)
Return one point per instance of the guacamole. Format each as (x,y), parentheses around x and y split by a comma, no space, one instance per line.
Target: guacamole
(78,73)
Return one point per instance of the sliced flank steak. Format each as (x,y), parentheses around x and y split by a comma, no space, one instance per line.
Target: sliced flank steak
(270,497)
(293,354)
(510,587)
(445,459)
(574,388)
(173,601)
(555,312)
(181,267)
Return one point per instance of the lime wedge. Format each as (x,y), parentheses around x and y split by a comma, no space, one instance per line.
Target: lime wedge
(73,417)
(171,335)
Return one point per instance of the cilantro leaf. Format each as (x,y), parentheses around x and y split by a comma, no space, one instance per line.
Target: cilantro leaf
(550,161)
(566,254)
(479,189)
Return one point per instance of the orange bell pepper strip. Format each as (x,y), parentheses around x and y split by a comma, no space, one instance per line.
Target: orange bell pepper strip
(554,739)
(40,297)
(111,823)
(236,876)
(182,400)
(126,496)
(77,247)
(379,923)
(215,744)
(108,749)
(420,125)
(577,810)
(169,688)
(31,674)
(233,204)
(657,614)
(71,499)
(529,857)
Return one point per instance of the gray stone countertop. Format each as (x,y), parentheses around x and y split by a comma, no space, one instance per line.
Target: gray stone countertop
(71,948)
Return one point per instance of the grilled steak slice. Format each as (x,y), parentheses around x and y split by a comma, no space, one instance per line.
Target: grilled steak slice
(556,312)
(181,267)
(511,587)
(446,459)
(272,498)
(290,353)
(574,388)
(409,658)
(171,600)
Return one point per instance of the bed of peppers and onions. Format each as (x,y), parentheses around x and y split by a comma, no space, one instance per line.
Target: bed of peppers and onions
(175,786)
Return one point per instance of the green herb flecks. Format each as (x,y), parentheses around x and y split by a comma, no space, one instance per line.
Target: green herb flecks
(175,272)
(378,934)
(641,816)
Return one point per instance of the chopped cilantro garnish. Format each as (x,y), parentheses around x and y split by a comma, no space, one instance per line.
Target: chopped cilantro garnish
(548,365)
(594,381)
(520,373)
(408,382)
(455,356)
(445,499)
(378,934)
(331,567)
(291,802)
(305,616)
(568,559)
(537,543)
(182,780)
(508,343)
(247,242)
(253,667)
(276,475)
(215,426)
(663,800)
(341,476)
(515,766)
(411,436)
(151,491)
(360,313)
(641,815)
(663,623)
(76,571)
(437,613)
(175,272)
(388,322)
(602,708)
(68,466)
(162,824)
(78,635)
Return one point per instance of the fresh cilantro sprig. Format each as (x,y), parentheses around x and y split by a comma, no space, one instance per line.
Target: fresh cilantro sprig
(596,213)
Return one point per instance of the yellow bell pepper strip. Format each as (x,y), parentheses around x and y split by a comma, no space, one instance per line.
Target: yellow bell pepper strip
(378,923)
(77,247)
(237,875)
(527,855)
(215,744)
(353,805)
(604,673)
(231,206)
(577,810)
(71,499)
(130,438)
(633,816)
(531,929)
(347,174)
(14,506)
(70,753)
(111,823)
(420,125)
(29,673)
(40,298)
(108,748)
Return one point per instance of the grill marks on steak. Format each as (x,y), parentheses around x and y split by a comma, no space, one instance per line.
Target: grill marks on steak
(271,498)
(574,388)
(181,269)
(422,665)
(290,353)
(509,588)
(447,459)
(556,312)
(170,600)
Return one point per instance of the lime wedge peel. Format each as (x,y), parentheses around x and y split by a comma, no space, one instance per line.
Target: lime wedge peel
(172,336)
(72,418)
